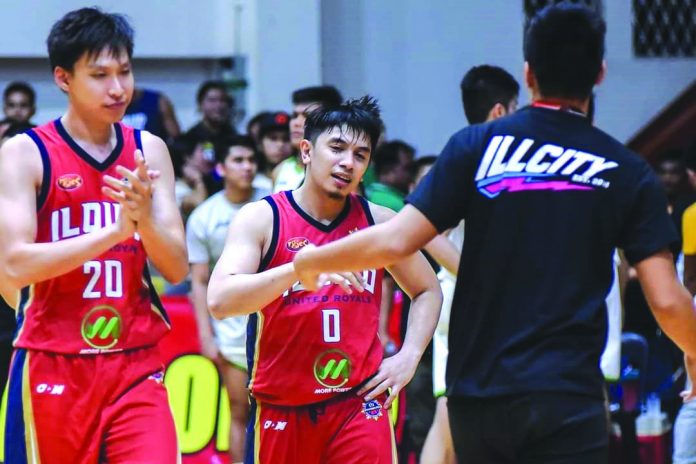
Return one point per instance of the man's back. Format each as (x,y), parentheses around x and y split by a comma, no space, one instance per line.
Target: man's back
(546,198)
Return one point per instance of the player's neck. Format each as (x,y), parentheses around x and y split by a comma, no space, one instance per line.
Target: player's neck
(317,204)
(238,196)
(86,129)
(581,105)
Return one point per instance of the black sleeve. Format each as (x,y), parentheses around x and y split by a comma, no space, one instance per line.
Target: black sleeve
(442,195)
(648,228)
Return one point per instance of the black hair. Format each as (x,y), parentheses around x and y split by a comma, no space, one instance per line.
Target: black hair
(484,86)
(674,155)
(564,46)
(256,119)
(359,115)
(21,87)
(207,86)
(327,95)
(88,30)
(222,148)
(388,155)
(422,161)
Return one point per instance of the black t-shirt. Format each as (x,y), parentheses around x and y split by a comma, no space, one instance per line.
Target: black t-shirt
(546,198)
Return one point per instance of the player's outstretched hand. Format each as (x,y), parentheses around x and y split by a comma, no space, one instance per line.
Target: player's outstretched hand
(134,190)
(347,280)
(690,363)
(393,375)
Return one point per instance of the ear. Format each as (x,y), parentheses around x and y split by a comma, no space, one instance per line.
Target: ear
(305,151)
(220,169)
(498,111)
(602,73)
(62,78)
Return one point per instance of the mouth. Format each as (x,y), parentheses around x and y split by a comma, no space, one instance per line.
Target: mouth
(117,105)
(342,180)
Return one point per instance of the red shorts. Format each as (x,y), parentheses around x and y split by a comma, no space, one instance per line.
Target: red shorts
(87,409)
(343,430)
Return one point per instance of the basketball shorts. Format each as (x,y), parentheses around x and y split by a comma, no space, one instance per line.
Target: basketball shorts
(88,409)
(343,430)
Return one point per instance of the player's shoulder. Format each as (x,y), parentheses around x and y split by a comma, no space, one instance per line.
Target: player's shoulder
(256,215)
(379,213)
(21,152)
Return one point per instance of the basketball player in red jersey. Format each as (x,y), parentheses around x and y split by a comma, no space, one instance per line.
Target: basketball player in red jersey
(82,211)
(312,355)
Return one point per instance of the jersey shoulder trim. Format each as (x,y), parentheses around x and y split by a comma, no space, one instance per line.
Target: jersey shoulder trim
(268,257)
(46,162)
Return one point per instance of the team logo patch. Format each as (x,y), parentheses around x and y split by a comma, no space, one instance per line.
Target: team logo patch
(157,377)
(372,409)
(101,327)
(69,181)
(332,368)
(295,244)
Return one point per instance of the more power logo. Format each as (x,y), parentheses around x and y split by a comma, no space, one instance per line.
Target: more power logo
(101,327)
(332,369)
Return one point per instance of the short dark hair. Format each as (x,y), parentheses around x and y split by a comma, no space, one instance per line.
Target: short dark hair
(484,86)
(222,148)
(388,155)
(88,30)
(423,161)
(360,115)
(207,86)
(21,87)
(564,46)
(673,155)
(327,95)
(256,119)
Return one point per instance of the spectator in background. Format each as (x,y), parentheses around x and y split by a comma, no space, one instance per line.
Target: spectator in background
(252,128)
(488,92)
(393,167)
(19,105)
(152,111)
(289,174)
(224,341)
(273,146)
(215,105)
(190,167)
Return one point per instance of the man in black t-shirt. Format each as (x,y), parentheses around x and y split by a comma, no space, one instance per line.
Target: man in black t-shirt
(546,198)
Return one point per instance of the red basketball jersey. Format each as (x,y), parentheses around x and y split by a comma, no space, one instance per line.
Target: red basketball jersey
(107,304)
(307,347)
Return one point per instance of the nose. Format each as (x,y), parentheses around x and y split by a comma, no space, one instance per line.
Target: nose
(116,89)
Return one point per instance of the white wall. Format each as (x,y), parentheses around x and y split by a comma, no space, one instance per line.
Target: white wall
(412,54)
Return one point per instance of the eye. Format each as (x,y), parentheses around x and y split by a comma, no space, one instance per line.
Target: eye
(336,148)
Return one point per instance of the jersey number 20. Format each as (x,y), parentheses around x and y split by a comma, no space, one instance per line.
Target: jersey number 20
(113,278)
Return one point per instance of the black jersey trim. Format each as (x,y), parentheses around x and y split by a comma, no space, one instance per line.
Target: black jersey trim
(266,260)
(101,166)
(138,140)
(366,207)
(154,297)
(313,222)
(46,161)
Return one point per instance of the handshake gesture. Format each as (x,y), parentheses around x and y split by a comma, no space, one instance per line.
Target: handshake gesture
(133,192)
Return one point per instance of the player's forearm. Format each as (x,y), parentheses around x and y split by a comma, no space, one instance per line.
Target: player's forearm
(422,320)
(678,320)
(445,253)
(166,248)
(372,248)
(385,306)
(29,263)
(239,294)
(200,308)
